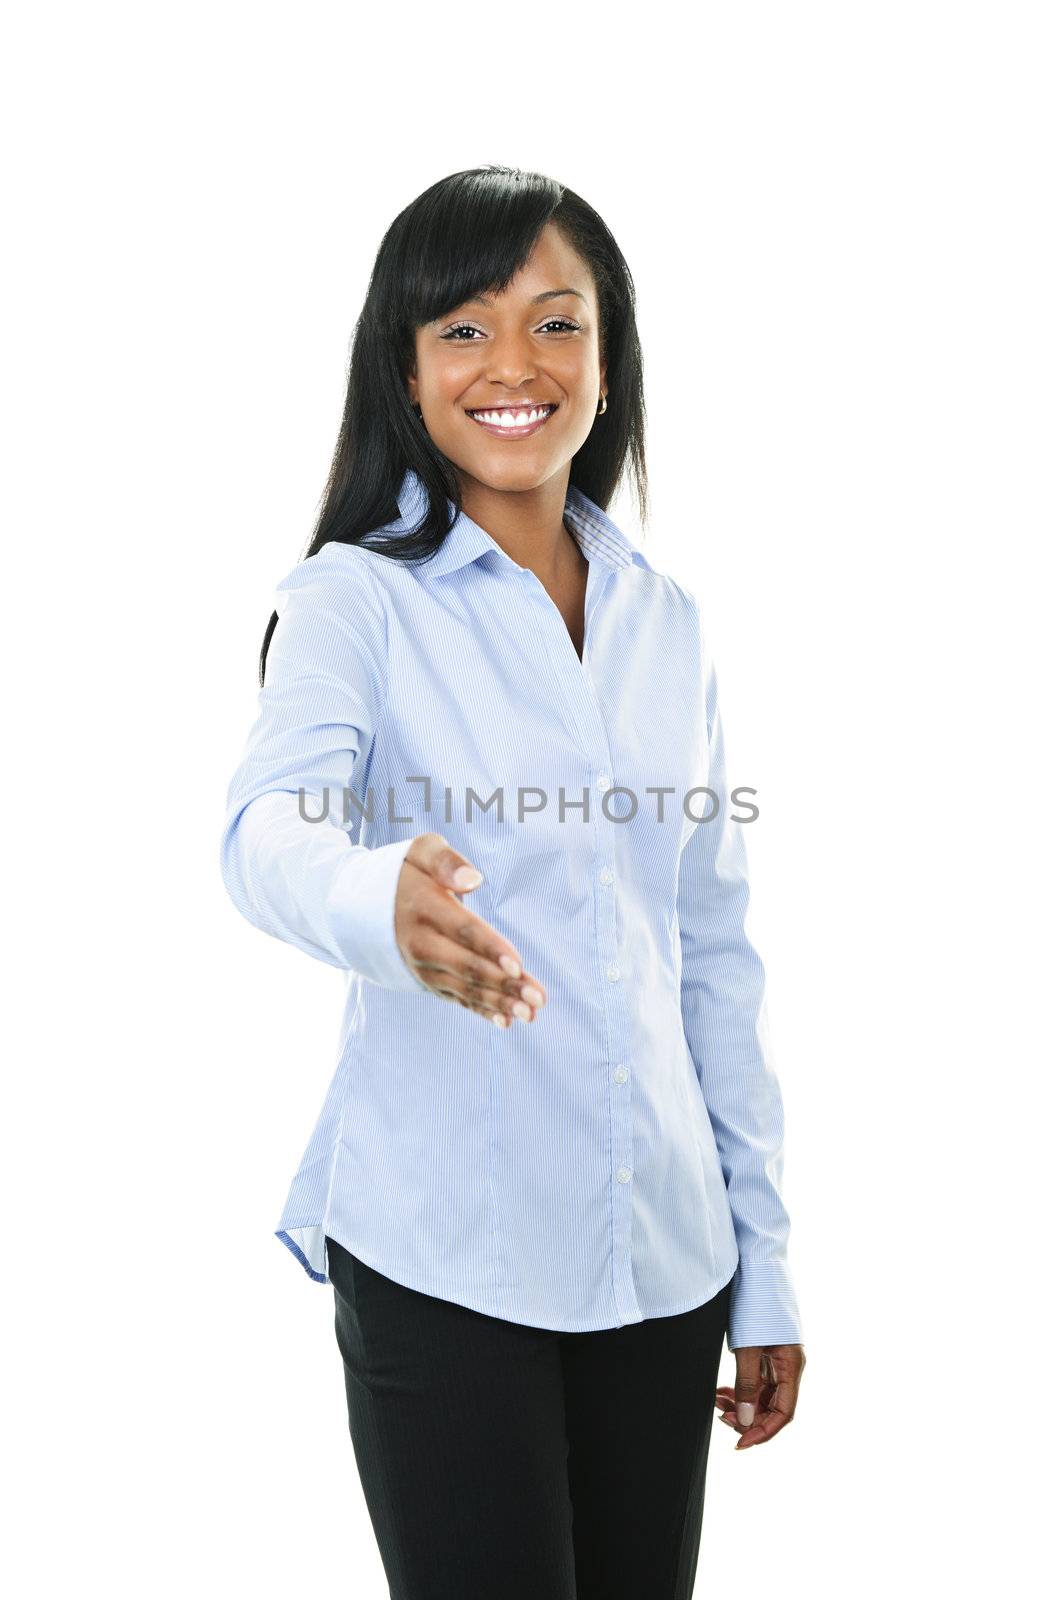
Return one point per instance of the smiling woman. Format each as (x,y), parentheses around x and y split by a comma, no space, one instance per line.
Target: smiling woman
(509,390)
(494,290)
(544,1185)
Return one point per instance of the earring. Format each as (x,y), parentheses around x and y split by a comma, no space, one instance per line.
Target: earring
(603,408)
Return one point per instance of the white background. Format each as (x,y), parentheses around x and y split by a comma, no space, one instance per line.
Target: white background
(836,218)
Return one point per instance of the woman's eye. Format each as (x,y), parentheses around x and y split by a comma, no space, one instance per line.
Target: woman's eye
(452,333)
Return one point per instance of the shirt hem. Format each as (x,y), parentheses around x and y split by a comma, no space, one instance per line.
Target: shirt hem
(286,1238)
(471,1302)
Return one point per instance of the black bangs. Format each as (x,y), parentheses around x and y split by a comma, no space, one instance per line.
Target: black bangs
(469,234)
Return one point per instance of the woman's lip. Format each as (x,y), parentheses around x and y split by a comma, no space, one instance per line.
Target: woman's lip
(522,432)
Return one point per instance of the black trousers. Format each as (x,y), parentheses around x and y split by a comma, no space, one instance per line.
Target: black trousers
(501,1461)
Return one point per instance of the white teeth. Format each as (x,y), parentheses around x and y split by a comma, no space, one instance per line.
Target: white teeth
(512,419)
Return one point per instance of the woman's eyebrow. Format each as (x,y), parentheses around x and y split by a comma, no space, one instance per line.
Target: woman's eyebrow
(548,294)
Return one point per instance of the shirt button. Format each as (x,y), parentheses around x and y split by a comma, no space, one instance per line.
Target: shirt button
(623,1174)
(612,973)
(602,780)
(620,1075)
(605,875)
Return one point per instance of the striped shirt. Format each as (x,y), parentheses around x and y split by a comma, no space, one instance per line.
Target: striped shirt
(620,1156)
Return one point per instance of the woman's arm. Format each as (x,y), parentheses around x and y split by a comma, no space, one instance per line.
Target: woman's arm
(723,1010)
(302,881)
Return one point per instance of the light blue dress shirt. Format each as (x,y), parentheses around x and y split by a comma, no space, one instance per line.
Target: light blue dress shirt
(620,1157)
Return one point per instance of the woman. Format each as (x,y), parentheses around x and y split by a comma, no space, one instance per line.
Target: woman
(487,782)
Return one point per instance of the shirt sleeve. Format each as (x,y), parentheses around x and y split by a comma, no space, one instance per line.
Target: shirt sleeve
(297,879)
(724,1014)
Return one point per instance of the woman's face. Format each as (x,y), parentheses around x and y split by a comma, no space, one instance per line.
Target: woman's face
(535,345)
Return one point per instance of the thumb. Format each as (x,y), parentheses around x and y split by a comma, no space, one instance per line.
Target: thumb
(432,854)
(748,1383)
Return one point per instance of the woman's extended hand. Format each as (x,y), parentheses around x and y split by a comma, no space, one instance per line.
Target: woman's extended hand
(447,947)
(766,1392)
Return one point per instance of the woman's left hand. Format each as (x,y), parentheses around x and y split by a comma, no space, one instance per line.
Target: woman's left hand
(766,1392)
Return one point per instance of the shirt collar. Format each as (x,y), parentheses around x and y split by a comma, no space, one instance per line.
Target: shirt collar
(598,535)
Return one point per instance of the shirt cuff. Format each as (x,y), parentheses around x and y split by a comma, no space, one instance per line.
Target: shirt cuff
(762,1305)
(360,908)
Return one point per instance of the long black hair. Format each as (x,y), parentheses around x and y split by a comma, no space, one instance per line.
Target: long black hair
(468,234)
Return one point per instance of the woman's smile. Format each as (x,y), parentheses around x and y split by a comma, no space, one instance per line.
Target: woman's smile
(516,422)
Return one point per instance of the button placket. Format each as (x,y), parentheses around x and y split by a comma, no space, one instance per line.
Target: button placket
(578,697)
(620,1114)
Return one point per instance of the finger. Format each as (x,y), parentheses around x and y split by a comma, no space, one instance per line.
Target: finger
(748,1382)
(784,1398)
(756,1429)
(425,900)
(762,1404)
(471,951)
(779,1403)
(725,1402)
(483,953)
(457,973)
(762,1430)
(432,854)
(785,1364)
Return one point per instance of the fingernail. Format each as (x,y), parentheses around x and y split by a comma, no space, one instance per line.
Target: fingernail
(500,1020)
(532,995)
(510,966)
(745,1413)
(466,877)
(521,1010)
